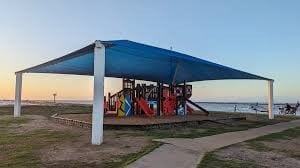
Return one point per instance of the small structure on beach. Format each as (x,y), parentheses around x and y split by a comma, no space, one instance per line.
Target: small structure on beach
(54,97)
(132,60)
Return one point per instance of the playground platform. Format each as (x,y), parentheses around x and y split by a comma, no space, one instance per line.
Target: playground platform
(143,122)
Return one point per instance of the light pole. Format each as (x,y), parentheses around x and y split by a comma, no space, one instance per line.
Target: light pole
(54,95)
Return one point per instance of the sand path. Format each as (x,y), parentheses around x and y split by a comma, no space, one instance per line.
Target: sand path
(187,153)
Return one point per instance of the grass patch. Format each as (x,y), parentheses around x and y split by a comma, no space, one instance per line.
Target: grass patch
(210,160)
(284,135)
(287,117)
(202,130)
(49,110)
(258,145)
(123,161)
(18,150)
(6,121)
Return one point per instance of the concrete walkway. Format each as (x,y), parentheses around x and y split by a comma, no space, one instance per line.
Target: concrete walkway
(187,153)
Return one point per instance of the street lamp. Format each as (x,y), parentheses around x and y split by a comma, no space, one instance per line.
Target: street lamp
(54,95)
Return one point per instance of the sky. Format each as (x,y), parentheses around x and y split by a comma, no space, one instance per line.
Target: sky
(257,36)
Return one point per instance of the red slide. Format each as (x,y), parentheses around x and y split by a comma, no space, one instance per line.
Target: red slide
(144,106)
(189,109)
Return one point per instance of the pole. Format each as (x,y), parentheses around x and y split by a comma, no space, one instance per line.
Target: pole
(54,100)
(270,99)
(184,97)
(158,98)
(98,104)
(18,95)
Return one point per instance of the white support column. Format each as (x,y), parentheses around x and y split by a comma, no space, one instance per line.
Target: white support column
(270,99)
(18,95)
(98,104)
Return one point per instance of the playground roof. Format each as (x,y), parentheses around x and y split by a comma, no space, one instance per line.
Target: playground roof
(128,59)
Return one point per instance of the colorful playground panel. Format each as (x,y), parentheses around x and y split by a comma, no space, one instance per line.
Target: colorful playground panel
(150,100)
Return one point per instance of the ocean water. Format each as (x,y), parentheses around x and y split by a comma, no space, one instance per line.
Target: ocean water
(11,102)
(45,102)
(210,106)
(240,107)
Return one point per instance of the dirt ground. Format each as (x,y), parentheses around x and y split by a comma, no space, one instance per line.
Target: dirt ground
(292,146)
(75,150)
(276,154)
(78,150)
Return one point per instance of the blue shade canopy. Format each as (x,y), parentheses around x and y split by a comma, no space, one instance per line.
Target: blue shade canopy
(128,59)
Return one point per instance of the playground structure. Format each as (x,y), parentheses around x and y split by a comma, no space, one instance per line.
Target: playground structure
(150,100)
(102,59)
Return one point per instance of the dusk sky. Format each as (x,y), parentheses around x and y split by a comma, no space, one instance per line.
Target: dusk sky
(257,36)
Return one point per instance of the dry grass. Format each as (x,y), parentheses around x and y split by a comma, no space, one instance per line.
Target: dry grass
(47,144)
(37,142)
(274,150)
